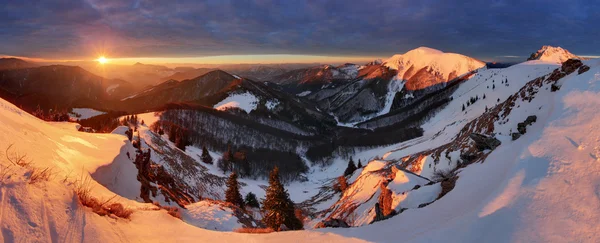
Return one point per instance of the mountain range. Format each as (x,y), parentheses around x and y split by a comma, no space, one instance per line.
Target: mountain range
(442,144)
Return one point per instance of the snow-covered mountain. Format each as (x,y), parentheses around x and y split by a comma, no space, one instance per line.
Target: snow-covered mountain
(552,54)
(379,88)
(426,67)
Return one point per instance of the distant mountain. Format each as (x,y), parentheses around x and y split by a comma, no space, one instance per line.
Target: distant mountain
(184,74)
(356,93)
(173,91)
(426,67)
(259,72)
(139,75)
(58,86)
(14,63)
(303,79)
(552,54)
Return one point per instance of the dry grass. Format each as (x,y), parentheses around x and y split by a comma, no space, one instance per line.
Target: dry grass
(442,175)
(254,230)
(39,175)
(16,158)
(5,173)
(83,187)
(173,211)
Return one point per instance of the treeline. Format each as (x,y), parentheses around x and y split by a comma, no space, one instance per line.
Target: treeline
(215,130)
(348,140)
(251,149)
(104,123)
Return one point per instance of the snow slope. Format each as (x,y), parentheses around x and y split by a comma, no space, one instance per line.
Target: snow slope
(245,101)
(542,187)
(49,211)
(84,113)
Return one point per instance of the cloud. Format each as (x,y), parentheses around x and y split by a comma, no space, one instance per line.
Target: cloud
(157,28)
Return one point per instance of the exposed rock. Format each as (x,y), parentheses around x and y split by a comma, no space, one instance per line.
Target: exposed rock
(571,65)
(378,213)
(522,126)
(483,142)
(447,186)
(583,69)
(385,200)
(531,119)
(515,135)
(332,223)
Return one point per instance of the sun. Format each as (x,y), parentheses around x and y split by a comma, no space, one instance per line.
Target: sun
(102,60)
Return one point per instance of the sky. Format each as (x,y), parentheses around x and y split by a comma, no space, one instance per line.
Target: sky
(271,31)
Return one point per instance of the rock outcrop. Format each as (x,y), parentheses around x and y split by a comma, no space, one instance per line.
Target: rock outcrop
(483,142)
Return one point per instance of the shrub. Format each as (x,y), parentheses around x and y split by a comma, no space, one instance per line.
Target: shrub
(442,175)
(83,189)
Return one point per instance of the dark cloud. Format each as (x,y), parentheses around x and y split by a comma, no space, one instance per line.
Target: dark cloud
(484,29)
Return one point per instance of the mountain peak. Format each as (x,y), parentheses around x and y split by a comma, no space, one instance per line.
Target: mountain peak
(424,67)
(552,54)
(425,50)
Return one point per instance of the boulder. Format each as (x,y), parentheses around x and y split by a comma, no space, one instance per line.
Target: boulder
(583,69)
(515,135)
(522,128)
(483,142)
(531,119)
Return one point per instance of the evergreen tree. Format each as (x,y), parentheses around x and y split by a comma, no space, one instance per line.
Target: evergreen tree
(359,165)
(278,208)
(232,195)
(351,168)
(251,200)
(463,107)
(172,133)
(206,158)
(226,161)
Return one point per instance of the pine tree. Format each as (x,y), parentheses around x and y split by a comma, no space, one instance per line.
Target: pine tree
(251,200)
(226,161)
(463,107)
(351,168)
(232,195)
(359,165)
(278,208)
(206,158)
